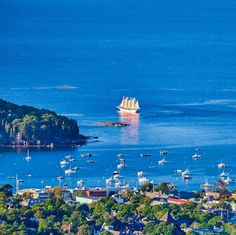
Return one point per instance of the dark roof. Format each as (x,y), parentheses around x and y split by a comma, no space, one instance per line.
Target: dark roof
(167,218)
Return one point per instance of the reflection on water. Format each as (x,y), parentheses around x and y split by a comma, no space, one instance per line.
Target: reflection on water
(130,134)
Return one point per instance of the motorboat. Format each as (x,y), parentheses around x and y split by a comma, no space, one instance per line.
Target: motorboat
(196,156)
(63,162)
(72,160)
(163,152)
(122,160)
(145,155)
(140,174)
(187,176)
(86,155)
(68,156)
(76,168)
(69,171)
(120,166)
(222,165)
(60,177)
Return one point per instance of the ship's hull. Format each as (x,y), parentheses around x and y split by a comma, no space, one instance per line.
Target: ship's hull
(123,110)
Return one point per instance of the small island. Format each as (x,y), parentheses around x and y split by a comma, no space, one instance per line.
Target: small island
(25,126)
(116,124)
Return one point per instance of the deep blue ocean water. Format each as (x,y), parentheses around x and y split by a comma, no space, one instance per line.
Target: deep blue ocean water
(177,57)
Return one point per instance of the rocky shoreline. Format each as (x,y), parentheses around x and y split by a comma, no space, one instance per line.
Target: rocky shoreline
(115,124)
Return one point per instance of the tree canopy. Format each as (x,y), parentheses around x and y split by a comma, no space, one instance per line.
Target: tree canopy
(21,124)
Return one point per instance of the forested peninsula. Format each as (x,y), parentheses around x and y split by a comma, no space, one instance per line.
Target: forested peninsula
(29,126)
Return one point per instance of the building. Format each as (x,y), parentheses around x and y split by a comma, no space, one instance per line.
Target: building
(86,200)
(218,194)
(177,201)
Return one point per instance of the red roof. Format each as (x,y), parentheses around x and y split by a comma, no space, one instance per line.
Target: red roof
(176,200)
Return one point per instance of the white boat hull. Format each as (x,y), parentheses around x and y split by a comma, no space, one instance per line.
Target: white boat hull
(128,110)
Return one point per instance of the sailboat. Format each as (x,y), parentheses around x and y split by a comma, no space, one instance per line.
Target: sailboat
(162,161)
(206,185)
(28,157)
(129,105)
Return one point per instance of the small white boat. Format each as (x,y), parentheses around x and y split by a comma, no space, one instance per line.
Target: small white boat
(179,171)
(72,160)
(60,177)
(90,161)
(80,183)
(186,172)
(28,157)
(140,174)
(223,174)
(86,155)
(68,156)
(69,171)
(120,155)
(120,166)
(122,160)
(76,168)
(187,176)
(206,185)
(145,155)
(163,152)
(162,161)
(63,162)
(109,181)
(143,180)
(228,180)
(222,165)
(196,156)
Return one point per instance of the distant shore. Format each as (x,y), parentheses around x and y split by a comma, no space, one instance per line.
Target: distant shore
(81,142)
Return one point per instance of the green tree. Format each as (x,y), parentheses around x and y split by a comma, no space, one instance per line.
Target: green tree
(147,187)
(85,230)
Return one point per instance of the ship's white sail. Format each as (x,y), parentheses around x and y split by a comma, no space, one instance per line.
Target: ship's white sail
(137,105)
(128,104)
(125,102)
(122,102)
(132,103)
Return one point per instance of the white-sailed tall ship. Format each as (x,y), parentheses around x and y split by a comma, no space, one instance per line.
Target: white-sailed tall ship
(129,105)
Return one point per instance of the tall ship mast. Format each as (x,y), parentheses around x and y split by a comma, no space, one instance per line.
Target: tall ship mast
(129,105)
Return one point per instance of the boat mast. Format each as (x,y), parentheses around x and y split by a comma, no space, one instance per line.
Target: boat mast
(129,104)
